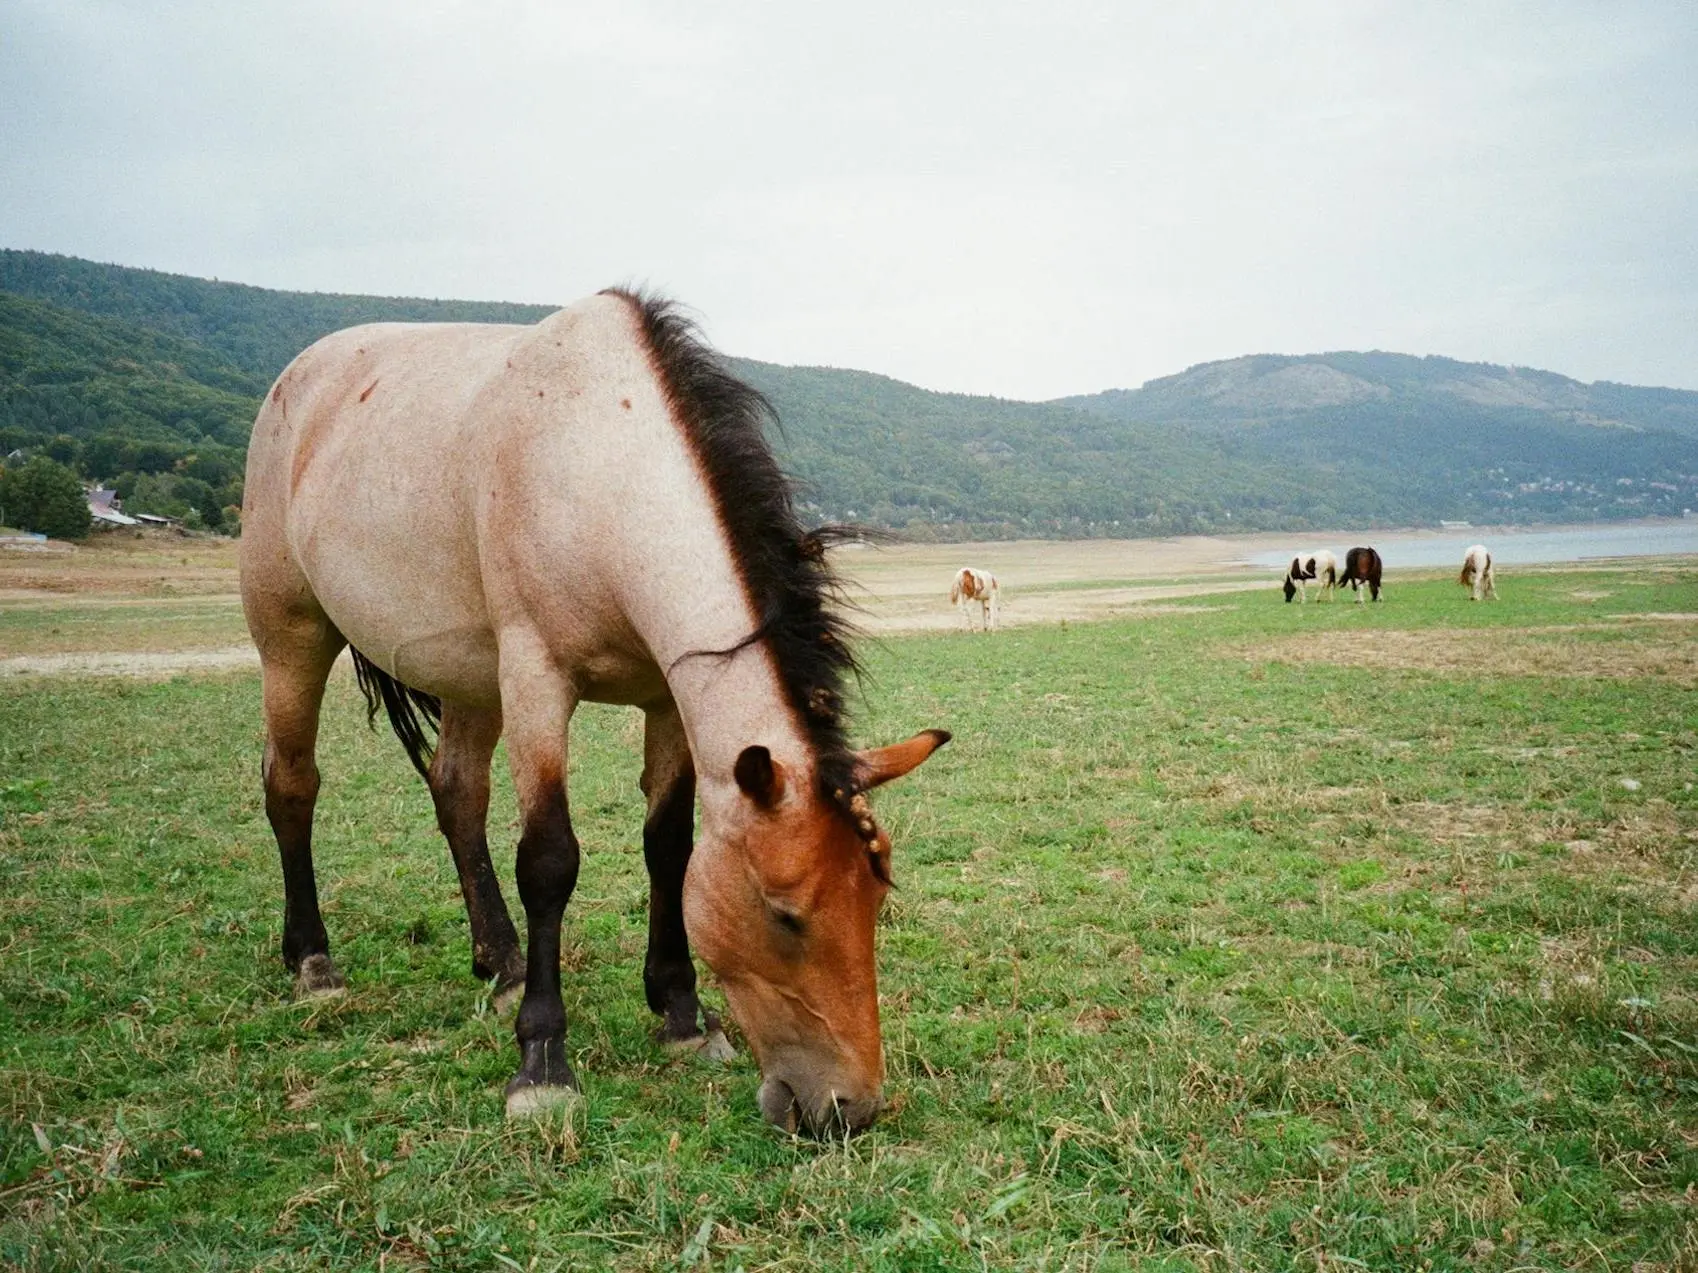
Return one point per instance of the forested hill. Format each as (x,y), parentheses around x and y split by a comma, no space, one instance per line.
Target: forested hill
(257,329)
(1268,388)
(151,381)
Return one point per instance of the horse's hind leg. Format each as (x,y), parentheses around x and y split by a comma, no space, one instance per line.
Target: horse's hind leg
(296,663)
(669,976)
(459,785)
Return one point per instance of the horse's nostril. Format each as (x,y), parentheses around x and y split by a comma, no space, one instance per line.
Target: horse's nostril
(852,1115)
(778,1104)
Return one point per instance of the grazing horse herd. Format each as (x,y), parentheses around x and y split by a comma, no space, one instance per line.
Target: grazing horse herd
(502,522)
(1363,568)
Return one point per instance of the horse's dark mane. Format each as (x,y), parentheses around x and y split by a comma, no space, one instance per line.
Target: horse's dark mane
(790,584)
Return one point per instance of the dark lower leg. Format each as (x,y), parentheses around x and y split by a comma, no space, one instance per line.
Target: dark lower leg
(669,975)
(495,942)
(547,872)
(459,785)
(291,791)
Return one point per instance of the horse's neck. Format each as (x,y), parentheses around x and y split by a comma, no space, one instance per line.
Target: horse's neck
(730,702)
(688,603)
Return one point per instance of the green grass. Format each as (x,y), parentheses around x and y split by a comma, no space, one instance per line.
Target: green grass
(1199,959)
(129,626)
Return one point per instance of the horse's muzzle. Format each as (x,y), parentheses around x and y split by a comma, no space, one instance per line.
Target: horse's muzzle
(828,1114)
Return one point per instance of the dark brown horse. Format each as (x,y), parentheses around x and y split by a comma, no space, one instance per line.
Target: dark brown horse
(504,522)
(1362,567)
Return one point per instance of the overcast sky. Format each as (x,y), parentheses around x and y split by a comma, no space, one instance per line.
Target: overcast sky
(1025,199)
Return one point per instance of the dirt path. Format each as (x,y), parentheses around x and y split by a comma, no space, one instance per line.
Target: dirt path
(154,665)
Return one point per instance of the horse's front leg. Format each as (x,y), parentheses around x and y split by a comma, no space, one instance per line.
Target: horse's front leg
(459,784)
(669,975)
(537,706)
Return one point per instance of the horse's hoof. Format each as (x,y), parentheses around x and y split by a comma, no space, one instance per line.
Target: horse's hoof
(534,1100)
(317,978)
(506,997)
(716,1047)
(713,1045)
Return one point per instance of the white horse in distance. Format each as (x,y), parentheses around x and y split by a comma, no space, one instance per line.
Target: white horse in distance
(1477,573)
(972,585)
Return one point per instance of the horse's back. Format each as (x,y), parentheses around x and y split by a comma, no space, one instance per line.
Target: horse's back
(376,459)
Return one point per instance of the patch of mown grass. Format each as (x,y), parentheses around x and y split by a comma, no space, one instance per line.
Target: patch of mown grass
(1197,960)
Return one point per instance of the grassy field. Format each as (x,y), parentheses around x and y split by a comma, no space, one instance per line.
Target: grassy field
(1233,936)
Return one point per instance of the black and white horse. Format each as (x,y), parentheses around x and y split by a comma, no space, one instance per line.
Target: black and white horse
(1362,566)
(1320,566)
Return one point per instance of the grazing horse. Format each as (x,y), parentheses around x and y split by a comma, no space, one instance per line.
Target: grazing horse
(506,521)
(1321,565)
(1362,566)
(972,585)
(1477,573)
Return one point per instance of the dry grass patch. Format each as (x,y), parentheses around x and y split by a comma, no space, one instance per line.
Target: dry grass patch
(1547,651)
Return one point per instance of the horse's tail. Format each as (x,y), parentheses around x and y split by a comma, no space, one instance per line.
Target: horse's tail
(955,591)
(413,714)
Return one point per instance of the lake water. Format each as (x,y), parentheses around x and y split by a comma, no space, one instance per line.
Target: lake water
(1509,547)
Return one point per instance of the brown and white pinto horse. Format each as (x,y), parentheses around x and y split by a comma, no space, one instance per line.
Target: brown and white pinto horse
(1477,573)
(1320,566)
(970,585)
(506,521)
(1362,567)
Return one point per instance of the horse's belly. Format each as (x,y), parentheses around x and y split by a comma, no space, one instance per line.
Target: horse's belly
(427,646)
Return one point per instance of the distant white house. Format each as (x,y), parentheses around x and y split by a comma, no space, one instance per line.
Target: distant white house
(106,508)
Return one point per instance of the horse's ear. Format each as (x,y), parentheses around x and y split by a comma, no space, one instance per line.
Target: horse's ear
(878,765)
(760,776)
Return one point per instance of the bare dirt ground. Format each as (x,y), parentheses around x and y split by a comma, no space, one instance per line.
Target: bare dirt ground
(160,604)
(120,565)
(147,666)
(905,587)
(1637,650)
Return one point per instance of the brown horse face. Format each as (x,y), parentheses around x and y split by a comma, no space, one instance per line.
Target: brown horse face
(782,909)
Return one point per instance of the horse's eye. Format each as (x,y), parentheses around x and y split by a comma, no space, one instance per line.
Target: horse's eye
(789,921)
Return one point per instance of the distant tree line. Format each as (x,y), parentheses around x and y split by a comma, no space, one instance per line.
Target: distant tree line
(162,421)
(150,382)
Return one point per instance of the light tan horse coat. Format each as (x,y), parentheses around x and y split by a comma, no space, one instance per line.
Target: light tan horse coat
(513,520)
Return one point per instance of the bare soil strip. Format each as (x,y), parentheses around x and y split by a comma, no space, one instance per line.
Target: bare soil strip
(156,665)
(897,588)
(1545,651)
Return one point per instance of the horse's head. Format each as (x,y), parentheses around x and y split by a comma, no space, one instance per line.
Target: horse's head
(1290,588)
(781,903)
